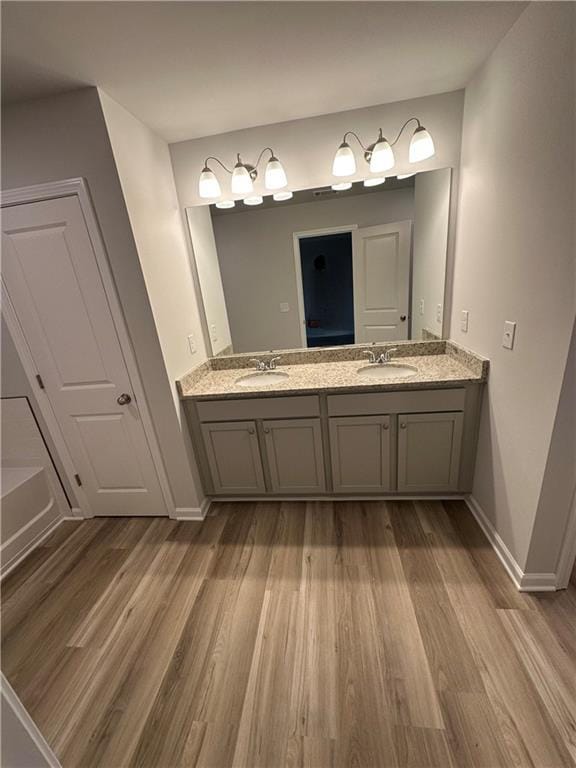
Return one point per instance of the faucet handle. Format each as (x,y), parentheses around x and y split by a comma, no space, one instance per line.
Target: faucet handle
(272,363)
(387,354)
(260,364)
(371,355)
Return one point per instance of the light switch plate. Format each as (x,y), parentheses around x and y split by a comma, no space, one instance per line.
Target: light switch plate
(421,306)
(509,334)
(192,344)
(438,313)
(464,321)
(284,306)
(213,333)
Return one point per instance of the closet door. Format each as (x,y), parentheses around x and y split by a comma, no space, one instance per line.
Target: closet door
(52,276)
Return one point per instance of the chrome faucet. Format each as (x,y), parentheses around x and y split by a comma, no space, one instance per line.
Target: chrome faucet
(265,365)
(384,357)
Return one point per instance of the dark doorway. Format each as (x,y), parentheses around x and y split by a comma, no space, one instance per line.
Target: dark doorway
(326,262)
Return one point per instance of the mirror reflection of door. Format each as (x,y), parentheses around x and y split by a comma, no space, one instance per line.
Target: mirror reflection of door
(327,288)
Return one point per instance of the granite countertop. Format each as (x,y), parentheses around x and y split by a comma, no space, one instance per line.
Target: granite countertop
(454,366)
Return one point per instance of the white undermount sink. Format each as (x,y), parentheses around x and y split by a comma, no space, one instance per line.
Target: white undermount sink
(258,378)
(386,371)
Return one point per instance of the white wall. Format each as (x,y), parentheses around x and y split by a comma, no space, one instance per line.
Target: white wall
(431,209)
(256,254)
(65,137)
(515,255)
(306,147)
(209,278)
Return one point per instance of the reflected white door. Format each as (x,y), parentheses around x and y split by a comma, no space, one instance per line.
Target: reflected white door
(381,261)
(53,280)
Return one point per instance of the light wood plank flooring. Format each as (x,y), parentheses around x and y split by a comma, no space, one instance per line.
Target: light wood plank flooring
(290,634)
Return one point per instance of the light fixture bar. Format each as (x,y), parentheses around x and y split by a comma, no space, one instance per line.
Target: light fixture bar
(243,176)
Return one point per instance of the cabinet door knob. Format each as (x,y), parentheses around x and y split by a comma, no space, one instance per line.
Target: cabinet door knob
(266,430)
(403,425)
(385,426)
(250,431)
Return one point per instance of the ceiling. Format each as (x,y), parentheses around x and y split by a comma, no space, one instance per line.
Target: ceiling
(191,69)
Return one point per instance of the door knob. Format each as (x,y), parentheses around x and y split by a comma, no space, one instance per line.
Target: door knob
(124,399)
(403,317)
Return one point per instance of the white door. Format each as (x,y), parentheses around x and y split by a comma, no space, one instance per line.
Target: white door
(53,280)
(381,269)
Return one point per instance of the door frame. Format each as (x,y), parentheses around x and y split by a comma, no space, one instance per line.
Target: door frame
(78,187)
(296,237)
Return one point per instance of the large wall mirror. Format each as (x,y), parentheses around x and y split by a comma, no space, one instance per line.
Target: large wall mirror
(326,267)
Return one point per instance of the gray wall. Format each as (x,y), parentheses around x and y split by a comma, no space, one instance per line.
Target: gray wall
(256,254)
(64,137)
(515,257)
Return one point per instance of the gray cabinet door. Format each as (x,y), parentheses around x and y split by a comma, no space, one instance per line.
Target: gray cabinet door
(234,457)
(360,451)
(429,451)
(295,456)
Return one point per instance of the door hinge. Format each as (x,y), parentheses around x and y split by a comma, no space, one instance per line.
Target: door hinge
(40,382)
(78,481)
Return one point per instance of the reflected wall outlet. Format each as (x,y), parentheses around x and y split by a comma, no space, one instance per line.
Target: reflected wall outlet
(213,333)
(509,334)
(421,306)
(438,313)
(284,306)
(464,321)
(192,344)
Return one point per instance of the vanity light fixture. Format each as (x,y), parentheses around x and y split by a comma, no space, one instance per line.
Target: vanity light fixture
(280,196)
(243,176)
(225,204)
(380,155)
(406,175)
(374,181)
(255,200)
(342,186)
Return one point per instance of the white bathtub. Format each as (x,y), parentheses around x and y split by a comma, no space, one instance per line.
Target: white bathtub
(28,512)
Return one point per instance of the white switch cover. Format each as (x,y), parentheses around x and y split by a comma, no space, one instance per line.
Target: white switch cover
(192,344)
(284,306)
(421,306)
(213,333)
(464,321)
(509,333)
(438,313)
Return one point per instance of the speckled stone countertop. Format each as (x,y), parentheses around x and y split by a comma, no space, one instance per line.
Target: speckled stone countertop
(439,364)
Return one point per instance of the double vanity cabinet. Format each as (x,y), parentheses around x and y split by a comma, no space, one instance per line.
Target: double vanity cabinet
(413,442)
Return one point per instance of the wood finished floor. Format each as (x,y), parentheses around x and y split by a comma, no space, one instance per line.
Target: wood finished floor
(290,634)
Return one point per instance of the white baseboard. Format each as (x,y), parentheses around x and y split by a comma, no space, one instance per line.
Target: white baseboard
(193,513)
(524,582)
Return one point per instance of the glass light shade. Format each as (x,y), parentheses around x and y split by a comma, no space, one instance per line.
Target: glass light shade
(382,158)
(405,175)
(241,180)
(208,185)
(280,196)
(275,176)
(344,161)
(225,204)
(421,146)
(374,181)
(256,200)
(342,186)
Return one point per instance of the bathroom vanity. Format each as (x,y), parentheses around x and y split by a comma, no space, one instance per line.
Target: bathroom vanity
(335,425)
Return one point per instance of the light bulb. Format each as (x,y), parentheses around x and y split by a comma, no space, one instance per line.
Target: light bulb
(225,204)
(275,176)
(280,196)
(208,185)
(405,175)
(344,162)
(382,158)
(256,200)
(374,181)
(241,180)
(342,186)
(421,145)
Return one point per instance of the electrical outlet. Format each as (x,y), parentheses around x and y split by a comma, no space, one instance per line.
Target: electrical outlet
(284,306)
(509,334)
(438,313)
(192,344)
(421,306)
(464,321)
(213,333)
